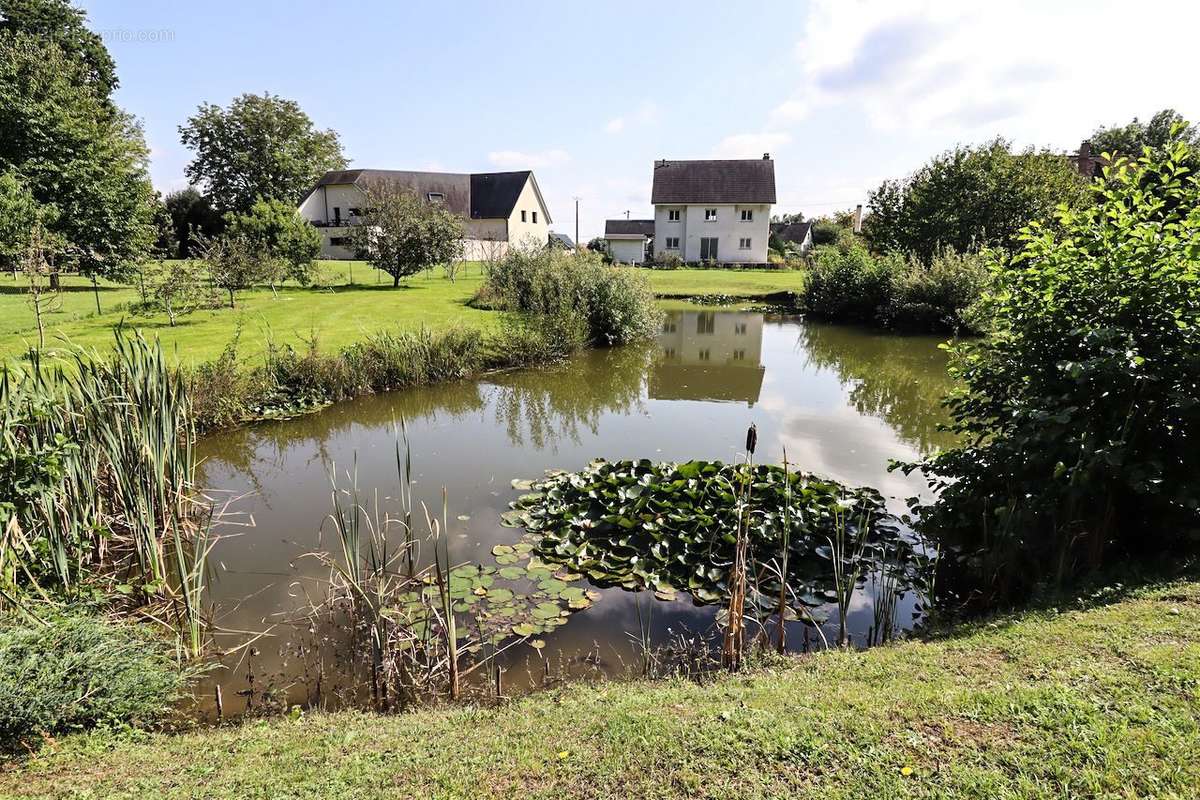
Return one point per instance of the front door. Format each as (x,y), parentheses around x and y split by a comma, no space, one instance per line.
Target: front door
(708,248)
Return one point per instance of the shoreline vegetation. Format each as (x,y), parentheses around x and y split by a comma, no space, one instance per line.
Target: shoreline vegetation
(1050,703)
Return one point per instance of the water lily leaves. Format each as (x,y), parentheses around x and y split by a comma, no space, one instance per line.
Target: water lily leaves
(537,644)
(499,595)
(545,611)
(512,573)
(502,550)
(523,629)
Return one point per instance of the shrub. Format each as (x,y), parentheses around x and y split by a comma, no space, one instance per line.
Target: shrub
(846,283)
(937,297)
(615,305)
(78,672)
(1079,412)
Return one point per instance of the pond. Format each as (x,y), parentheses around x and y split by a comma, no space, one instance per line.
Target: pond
(843,401)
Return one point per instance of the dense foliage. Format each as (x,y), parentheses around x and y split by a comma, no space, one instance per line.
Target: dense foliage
(1080,412)
(261,146)
(62,136)
(72,673)
(402,234)
(1163,129)
(604,305)
(191,218)
(970,198)
(846,283)
(668,527)
(280,236)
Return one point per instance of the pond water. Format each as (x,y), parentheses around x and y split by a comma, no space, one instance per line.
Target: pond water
(842,400)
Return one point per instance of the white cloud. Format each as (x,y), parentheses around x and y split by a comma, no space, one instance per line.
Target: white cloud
(1031,70)
(646,114)
(749,145)
(515,159)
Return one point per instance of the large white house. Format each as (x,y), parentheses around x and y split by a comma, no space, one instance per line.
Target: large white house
(499,209)
(714,210)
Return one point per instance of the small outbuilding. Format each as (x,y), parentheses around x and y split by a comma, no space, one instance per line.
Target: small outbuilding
(629,239)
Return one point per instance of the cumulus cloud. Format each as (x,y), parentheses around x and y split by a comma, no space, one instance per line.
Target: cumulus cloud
(645,114)
(913,65)
(516,159)
(749,145)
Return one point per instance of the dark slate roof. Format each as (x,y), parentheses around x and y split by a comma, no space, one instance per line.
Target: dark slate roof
(562,239)
(792,232)
(629,227)
(728,181)
(482,195)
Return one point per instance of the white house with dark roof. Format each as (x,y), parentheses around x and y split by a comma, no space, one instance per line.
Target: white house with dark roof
(713,210)
(627,239)
(499,209)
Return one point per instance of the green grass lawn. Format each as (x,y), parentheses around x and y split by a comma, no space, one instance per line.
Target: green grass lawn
(338,314)
(1097,702)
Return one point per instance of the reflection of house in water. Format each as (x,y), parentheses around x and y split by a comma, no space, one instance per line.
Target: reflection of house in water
(708,355)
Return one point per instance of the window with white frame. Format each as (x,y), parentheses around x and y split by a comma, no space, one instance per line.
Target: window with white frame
(673,215)
(744,243)
(435,197)
(747,215)
(672,242)
(710,215)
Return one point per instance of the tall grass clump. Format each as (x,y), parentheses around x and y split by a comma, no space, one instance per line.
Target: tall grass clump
(76,672)
(97,470)
(613,305)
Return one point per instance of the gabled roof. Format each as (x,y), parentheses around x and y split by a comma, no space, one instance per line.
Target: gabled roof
(629,227)
(714,181)
(792,232)
(480,195)
(562,240)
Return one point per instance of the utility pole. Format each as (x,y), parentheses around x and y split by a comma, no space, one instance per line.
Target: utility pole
(626,213)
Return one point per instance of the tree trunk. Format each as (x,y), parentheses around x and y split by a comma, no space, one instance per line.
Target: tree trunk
(395,280)
(96,291)
(231,305)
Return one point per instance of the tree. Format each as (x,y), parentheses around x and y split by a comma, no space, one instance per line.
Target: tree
(261,146)
(191,213)
(19,211)
(1129,140)
(37,264)
(178,287)
(402,234)
(277,231)
(233,264)
(1078,415)
(73,148)
(969,198)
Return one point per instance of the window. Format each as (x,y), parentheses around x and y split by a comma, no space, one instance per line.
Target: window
(710,215)
(739,329)
(739,355)
(708,248)
(535,218)
(669,353)
(356,212)
(669,326)
(744,243)
(435,197)
(706,323)
(747,215)
(673,215)
(337,215)
(523,212)
(704,354)
(339,241)
(672,242)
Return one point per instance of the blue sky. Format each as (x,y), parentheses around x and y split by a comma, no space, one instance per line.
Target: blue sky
(843,94)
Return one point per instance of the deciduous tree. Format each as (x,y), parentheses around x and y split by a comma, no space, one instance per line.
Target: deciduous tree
(280,234)
(402,234)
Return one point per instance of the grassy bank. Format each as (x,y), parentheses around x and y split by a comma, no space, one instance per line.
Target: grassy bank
(340,313)
(1095,702)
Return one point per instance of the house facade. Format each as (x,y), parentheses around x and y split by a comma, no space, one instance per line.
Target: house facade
(499,209)
(713,211)
(628,239)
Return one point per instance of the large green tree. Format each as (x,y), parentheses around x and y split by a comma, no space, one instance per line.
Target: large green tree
(260,146)
(403,234)
(1164,128)
(276,230)
(60,133)
(191,216)
(970,197)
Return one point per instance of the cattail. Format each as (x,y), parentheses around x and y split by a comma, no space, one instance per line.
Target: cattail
(751,438)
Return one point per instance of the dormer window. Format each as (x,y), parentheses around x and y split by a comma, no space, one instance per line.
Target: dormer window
(710,215)
(436,197)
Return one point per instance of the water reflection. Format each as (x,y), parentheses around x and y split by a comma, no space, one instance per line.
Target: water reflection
(708,355)
(842,401)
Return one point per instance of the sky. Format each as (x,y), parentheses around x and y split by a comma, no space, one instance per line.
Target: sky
(842,94)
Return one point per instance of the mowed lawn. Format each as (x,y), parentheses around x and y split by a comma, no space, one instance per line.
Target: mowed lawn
(1096,702)
(336,314)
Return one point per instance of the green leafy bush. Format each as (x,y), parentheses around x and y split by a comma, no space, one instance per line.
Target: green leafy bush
(1080,412)
(615,305)
(78,672)
(846,283)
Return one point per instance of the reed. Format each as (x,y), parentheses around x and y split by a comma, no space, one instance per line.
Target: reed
(847,546)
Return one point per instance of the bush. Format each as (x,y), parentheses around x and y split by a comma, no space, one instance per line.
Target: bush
(79,672)
(848,284)
(1079,412)
(614,305)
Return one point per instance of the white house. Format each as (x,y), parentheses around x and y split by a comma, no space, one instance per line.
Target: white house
(715,210)
(499,209)
(627,239)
